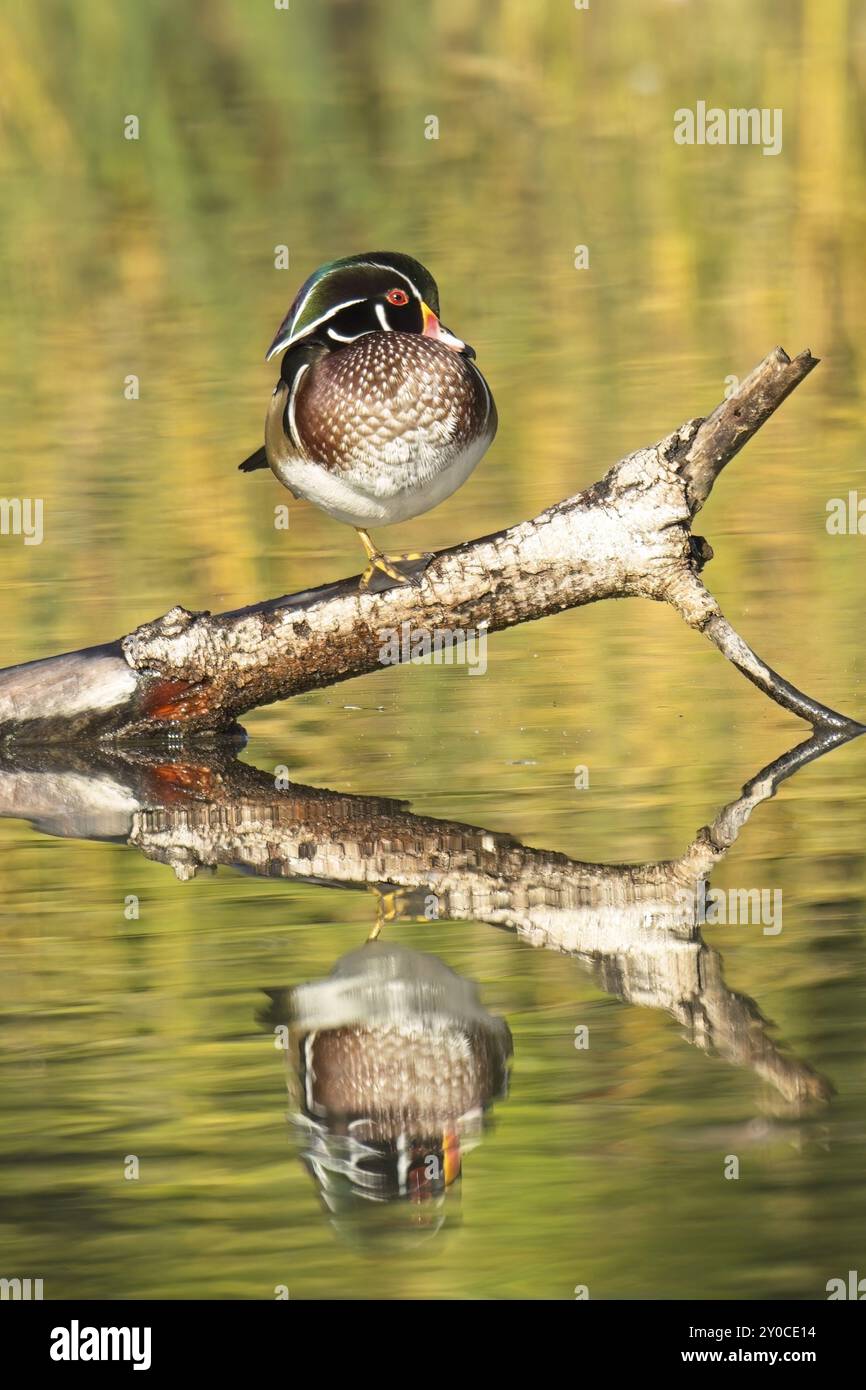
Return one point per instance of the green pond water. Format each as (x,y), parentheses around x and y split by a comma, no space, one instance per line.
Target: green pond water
(149,1036)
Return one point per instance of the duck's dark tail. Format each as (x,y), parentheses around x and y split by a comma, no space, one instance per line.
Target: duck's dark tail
(257,460)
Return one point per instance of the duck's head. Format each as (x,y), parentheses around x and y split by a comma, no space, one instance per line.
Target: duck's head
(378,292)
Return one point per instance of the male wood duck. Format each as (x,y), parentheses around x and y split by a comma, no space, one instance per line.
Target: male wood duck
(380,412)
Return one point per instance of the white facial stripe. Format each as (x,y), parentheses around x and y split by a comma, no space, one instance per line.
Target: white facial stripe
(395,272)
(376,266)
(383,317)
(315,324)
(294,338)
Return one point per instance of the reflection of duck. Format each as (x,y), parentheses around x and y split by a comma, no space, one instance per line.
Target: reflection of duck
(635,925)
(393,1062)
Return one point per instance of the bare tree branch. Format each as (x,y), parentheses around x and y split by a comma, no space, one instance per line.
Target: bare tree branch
(628,535)
(732,424)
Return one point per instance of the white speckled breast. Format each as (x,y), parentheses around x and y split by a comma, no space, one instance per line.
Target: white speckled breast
(389,426)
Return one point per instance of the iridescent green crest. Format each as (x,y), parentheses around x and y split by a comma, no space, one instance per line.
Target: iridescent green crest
(350,281)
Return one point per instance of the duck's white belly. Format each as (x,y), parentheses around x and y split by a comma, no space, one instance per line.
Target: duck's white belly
(435,478)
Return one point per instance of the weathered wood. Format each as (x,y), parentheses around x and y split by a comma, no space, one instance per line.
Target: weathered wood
(629,535)
(733,423)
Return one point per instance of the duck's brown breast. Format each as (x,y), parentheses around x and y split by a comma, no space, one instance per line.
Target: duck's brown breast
(386,400)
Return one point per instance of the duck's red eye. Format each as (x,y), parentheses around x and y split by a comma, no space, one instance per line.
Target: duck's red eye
(399,297)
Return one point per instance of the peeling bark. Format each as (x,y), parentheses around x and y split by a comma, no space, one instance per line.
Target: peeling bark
(629,535)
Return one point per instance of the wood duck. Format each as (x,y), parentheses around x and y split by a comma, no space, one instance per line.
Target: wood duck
(380,412)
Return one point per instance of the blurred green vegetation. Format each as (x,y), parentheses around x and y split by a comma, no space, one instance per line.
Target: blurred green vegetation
(155,257)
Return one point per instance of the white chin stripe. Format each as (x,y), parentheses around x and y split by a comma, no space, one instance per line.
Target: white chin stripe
(383,317)
(344,338)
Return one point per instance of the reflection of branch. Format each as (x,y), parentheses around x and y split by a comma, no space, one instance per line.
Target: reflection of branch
(725,828)
(628,535)
(627,922)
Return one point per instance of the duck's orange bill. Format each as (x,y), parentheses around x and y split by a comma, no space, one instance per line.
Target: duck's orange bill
(434,329)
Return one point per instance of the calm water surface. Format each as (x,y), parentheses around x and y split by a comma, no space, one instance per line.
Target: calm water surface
(153,1036)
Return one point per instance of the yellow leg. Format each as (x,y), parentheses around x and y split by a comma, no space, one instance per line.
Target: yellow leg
(378,562)
(389,906)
